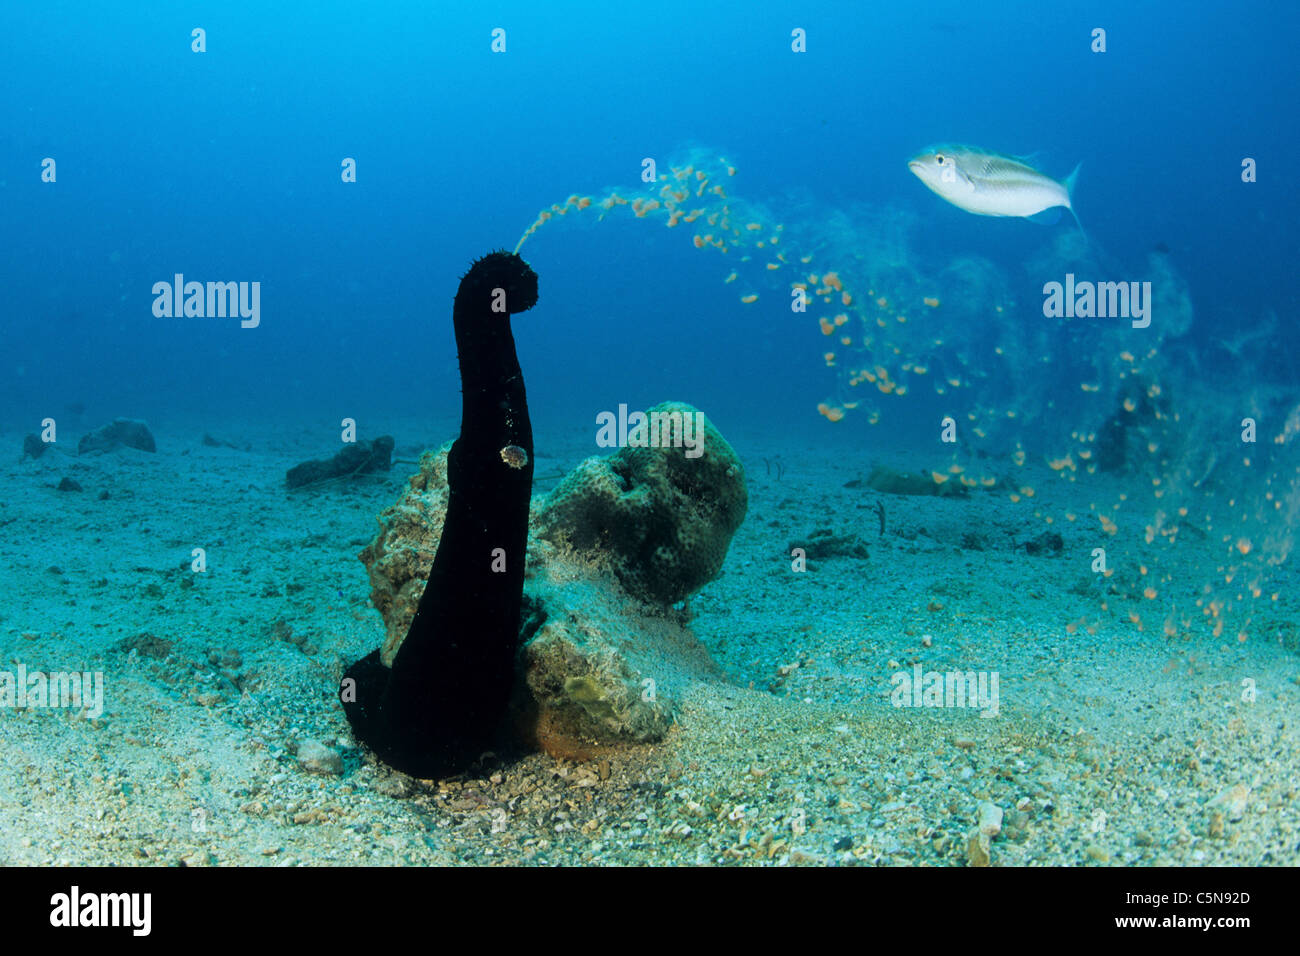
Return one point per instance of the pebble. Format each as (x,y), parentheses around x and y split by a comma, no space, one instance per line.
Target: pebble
(315,757)
(979,852)
(990,819)
(801,858)
(1231,801)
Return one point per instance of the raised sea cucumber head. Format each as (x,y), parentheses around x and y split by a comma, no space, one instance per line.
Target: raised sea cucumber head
(501,270)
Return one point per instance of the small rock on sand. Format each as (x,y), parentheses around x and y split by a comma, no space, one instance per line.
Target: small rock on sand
(315,757)
(1231,801)
(990,819)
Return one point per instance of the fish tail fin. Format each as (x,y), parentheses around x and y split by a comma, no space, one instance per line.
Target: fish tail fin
(1070,180)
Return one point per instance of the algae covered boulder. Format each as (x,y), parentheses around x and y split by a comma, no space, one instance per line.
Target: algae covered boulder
(660,516)
(597,669)
(600,662)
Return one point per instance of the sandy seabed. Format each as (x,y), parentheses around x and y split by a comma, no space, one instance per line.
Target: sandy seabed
(1123,747)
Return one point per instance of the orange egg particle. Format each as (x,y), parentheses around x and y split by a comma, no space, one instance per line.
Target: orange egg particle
(846,298)
(730,278)
(845,340)
(753,226)
(748,299)
(698,240)
(841,319)
(832,280)
(931,302)
(827,328)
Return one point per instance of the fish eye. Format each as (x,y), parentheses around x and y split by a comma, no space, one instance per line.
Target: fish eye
(938,158)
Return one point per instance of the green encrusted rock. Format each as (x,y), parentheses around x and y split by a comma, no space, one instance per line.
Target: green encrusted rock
(660,518)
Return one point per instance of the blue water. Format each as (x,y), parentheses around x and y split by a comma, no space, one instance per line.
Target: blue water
(1171,583)
(225,165)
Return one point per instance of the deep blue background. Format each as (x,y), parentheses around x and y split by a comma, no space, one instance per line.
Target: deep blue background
(225,166)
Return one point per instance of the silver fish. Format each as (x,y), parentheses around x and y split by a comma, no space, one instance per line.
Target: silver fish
(990,184)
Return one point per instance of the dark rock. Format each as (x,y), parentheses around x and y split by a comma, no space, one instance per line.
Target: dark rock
(888,481)
(844,843)
(69,484)
(210,442)
(822,544)
(104,496)
(147,645)
(32,445)
(117,433)
(358,458)
(1048,541)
